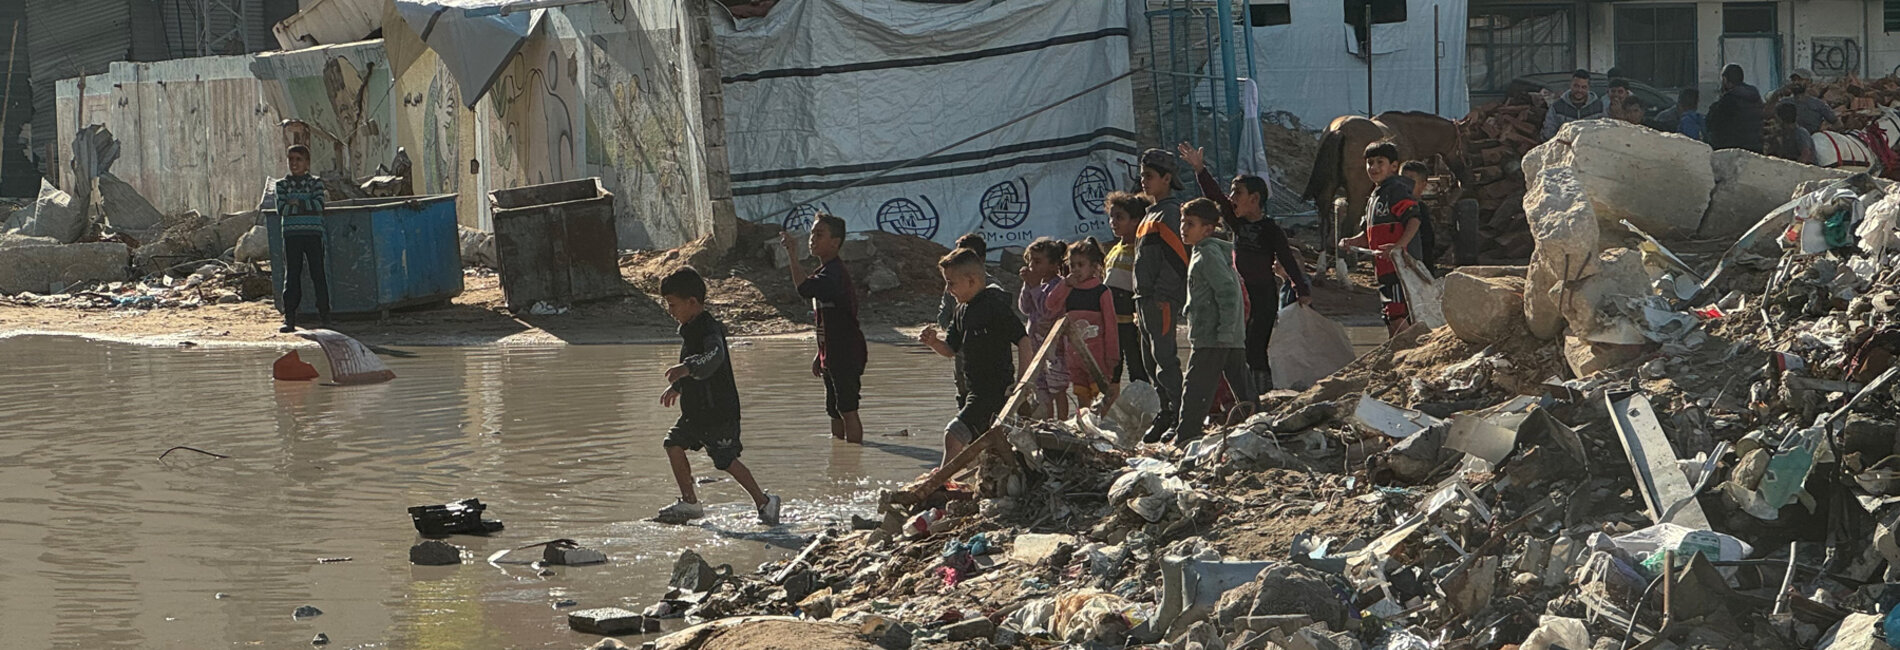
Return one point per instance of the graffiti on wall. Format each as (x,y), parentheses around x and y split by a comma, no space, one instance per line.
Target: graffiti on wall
(637,127)
(345,110)
(1835,56)
(534,99)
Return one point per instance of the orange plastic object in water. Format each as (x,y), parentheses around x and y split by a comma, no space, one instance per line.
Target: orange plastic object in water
(292,368)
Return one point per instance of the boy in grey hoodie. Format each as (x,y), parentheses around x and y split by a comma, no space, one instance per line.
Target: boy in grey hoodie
(1217,329)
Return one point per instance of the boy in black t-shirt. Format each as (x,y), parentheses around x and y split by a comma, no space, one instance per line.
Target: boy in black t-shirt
(1420,174)
(702,385)
(981,333)
(834,301)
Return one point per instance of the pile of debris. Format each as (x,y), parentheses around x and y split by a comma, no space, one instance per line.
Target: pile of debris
(1857,101)
(1642,444)
(1497,135)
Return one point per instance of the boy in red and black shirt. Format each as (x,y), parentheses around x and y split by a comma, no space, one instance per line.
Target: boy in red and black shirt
(841,349)
(1392,222)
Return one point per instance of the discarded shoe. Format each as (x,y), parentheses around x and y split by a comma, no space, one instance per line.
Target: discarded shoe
(768,513)
(680,512)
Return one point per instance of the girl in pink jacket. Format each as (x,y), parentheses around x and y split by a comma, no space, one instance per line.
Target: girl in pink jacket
(1091,308)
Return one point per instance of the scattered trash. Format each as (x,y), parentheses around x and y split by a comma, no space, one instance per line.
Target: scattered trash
(168,452)
(567,553)
(320,639)
(290,367)
(351,362)
(306,611)
(435,553)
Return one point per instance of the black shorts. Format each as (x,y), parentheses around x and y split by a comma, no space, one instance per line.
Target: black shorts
(978,413)
(719,439)
(843,387)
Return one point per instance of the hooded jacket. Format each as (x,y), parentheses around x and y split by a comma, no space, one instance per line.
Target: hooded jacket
(1735,119)
(1161,259)
(1216,313)
(1564,111)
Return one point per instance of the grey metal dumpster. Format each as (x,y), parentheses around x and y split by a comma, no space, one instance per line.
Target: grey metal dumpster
(555,243)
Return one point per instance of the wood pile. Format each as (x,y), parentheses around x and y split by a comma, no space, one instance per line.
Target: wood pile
(1854,99)
(1497,135)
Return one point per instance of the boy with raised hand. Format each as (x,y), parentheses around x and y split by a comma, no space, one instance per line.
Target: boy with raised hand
(834,301)
(702,385)
(980,336)
(1258,244)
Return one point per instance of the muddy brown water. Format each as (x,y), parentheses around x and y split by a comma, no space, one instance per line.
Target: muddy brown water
(104,545)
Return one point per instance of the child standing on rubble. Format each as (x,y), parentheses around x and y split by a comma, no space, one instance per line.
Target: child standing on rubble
(948,310)
(1417,173)
(1217,330)
(1391,227)
(979,338)
(1124,214)
(834,300)
(1160,284)
(1090,307)
(1042,274)
(702,385)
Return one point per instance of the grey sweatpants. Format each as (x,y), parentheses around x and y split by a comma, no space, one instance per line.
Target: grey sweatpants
(1205,368)
(1157,318)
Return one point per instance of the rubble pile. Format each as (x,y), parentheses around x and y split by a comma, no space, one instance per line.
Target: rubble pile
(1686,448)
(1856,101)
(1497,135)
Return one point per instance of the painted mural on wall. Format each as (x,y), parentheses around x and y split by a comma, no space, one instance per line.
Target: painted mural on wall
(346,101)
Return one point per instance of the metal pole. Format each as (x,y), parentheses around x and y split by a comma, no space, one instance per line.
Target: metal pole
(1224,15)
(7,97)
(1368,49)
(1437,93)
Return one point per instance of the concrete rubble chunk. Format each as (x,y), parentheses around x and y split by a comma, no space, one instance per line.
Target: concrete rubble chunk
(571,555)
(435,553)
(1586,357)
(1034,548)
(1487,309)
(1566,232)
(126,210)
(1595,305)
(478,247)
(1748,185)
(306,611)
(1294,589)
(972,628)
(54,214)
(1856,632)
(606,621)
(882,279)
(857,247)
(53,268)
(254,245)
(1659,181)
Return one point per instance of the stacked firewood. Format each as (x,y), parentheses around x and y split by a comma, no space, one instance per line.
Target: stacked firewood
(1497,135)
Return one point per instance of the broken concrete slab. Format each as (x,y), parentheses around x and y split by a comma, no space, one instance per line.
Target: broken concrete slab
(857,247)
(1856,632)
(435,553)
(567,555)
(254,246)
(882,279)
(1594,305)
(1034,548)
(125,210)
(1586,357)
(1487,309)
(1748,185)
(53,268)
(1566,231)
(1619,168)
(606,621)
(969,629)
(478,248)
(54,214)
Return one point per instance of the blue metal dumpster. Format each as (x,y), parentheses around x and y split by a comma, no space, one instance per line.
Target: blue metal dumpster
(381,254)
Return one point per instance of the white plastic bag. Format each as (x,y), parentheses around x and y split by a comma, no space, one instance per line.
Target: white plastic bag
(1423,294)
(1307,347)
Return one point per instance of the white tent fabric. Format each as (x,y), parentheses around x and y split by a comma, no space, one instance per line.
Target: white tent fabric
(821,94)
(472,37)
(1311,67)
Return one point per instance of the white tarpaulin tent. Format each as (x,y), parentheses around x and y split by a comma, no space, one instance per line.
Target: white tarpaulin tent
(821,94)
(1312,67)
(473,37)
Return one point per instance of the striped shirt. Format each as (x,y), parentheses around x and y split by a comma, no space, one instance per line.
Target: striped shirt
(300,204)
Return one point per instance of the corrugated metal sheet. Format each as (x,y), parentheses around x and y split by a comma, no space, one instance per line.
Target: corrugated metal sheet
(72,38)
(18,176)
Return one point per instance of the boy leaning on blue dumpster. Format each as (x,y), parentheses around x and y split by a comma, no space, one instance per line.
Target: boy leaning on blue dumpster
(300,199)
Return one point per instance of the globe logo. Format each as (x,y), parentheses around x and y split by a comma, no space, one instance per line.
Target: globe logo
(799,219)
(1005,204)
(901,216)
(1091,189)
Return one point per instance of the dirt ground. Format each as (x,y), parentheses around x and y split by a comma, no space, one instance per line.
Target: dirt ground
(747,291)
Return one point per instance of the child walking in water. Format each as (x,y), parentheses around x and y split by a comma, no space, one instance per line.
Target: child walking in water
(1090,306)
(702,385)
(1042,273)
(981,334)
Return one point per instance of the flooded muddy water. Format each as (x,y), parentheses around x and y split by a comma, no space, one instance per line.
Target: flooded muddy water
(104,545)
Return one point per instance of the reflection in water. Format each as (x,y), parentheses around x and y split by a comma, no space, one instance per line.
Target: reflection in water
(101,544)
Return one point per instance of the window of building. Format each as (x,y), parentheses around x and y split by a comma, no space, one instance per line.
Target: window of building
(1748,18)
(1890,15)
(1657,44)
(1507,42)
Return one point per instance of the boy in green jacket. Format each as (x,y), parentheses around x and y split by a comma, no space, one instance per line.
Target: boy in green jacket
(1217,330)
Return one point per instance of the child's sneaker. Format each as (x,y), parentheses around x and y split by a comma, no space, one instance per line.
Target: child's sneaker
(768,513)
(680,512)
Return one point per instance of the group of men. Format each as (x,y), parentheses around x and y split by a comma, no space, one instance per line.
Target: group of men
(1734,120)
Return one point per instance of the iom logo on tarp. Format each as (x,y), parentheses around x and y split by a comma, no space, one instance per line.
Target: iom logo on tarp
(1006,204)
(1090,191)
(901,216)
(799,219)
